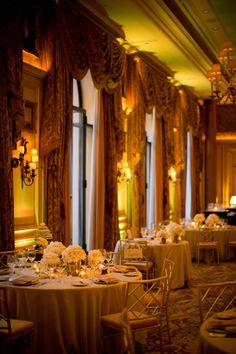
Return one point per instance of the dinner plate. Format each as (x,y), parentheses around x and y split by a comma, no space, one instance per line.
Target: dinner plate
(80,284)
(25,281)
(105,281)
(4,277)
(4,271)
(130,274)
(224,316)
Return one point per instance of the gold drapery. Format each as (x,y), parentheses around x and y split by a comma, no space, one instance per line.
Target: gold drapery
(114,139)
(54,142)
(11,122)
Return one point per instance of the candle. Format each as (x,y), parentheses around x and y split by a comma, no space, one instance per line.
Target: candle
(15,154)
(33,165)
(34,152)
(21,149)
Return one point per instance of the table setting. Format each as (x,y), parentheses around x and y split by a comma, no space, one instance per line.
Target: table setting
(67,303)
(218,334)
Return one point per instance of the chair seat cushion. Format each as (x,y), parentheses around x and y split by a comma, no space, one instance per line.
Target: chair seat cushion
(140,265)
(114,321)
(207,244)
(18,328)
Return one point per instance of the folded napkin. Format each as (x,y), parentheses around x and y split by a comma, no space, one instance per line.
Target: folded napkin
(25,280)
(105,280)
(224,326)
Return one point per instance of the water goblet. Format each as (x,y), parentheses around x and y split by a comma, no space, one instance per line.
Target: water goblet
(31,256)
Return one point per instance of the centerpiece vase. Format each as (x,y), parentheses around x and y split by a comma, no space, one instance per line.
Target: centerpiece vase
(74,268)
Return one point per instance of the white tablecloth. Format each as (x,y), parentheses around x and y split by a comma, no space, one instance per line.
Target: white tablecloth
(177,252)
(65,315)
(223,236)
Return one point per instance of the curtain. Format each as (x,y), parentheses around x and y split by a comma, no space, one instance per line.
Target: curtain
(96,204)
(12,118)
(156,173)
(54,142)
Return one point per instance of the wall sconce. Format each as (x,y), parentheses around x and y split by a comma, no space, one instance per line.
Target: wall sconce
(127,110)
(123,172)
(27,163)
(233,201)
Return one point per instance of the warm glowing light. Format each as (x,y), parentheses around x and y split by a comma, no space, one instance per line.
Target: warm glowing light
(233,200)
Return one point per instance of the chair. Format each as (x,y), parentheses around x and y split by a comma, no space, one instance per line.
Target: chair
(143,311)
(167,270)
(11,329)
(132,254)
(216,297)
(3,257)
(127,333)
(232,246)
(208,244)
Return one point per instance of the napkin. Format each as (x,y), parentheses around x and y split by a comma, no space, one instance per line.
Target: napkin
(224,326)
(105,280)
(25,280)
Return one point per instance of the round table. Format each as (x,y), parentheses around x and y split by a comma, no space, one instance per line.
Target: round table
(177,252)
(67,317)
(209,342)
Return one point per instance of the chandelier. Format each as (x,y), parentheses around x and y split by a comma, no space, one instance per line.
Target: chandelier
(27,163)
(223,76)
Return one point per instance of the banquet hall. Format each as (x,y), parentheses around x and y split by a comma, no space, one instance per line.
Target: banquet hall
(117,127)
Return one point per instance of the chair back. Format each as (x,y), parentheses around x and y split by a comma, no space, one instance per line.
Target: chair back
(216,297)
(145,298)
(4,256)
(168,270)
(131,251)
(5,323)
(206,236)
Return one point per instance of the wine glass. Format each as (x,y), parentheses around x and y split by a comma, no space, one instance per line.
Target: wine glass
(61,267)
(31,256)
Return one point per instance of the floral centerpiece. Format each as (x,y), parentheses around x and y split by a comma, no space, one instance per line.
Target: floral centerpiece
(73,254)
(40,243)
(94,257)
(199,219)
(212,220)
(175,231)
(53,253)
(162,235)
(50,259)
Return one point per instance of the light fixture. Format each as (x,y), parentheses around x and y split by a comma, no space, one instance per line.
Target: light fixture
(27,163)
(233,201)
(223,76)
(123,172)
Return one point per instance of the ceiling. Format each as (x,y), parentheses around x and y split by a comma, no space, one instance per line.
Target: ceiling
(183,35)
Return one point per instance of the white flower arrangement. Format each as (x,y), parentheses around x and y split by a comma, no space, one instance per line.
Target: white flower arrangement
(94,257)
(55,247)
(211,220)
(199,218)
(73,254)
(162,234)
(41,242)
(50,258)
(175,231)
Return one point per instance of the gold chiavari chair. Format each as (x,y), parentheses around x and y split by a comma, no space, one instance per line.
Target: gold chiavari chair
(207,243)
(11,330)
(143,311)
(216,297)
(132,254)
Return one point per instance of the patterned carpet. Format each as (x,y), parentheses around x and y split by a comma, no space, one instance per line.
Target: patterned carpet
(184,313)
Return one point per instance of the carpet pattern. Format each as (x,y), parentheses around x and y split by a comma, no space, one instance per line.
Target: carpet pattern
(184,313)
